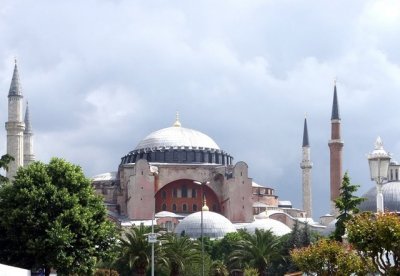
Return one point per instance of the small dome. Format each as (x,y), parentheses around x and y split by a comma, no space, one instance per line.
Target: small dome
(391,198)
(330,228)
(214,225)
(276,227)
(166,214)
(177,137)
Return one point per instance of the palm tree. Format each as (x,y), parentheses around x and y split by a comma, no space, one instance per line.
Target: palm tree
(257,251)
(4,162)
(134,251)
(178,252)
(218,268)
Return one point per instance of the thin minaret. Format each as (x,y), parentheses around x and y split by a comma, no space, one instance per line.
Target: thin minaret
(306,166)
(335,146)
(15,126)
(29,155)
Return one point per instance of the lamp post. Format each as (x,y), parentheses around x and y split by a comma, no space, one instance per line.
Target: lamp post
(201,223)
(379,160)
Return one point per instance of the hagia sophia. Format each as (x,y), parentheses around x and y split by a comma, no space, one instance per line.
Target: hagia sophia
(176,174)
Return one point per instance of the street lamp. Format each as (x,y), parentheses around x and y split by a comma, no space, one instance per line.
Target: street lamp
(379,160)
(201,223)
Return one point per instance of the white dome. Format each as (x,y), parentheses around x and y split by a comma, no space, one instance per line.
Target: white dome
(214,225)
(277,228)
(177,137)
(330,228)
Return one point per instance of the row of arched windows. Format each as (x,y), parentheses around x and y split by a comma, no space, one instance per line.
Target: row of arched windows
(182,192)
(184,207)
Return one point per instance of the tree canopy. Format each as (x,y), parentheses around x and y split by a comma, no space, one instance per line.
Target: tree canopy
(328,258)
(377,238)
(50,217)
(347,204)
(4,162)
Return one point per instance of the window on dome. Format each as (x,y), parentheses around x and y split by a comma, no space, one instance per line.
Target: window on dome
(174,207)
(397,174)
(175,192)
(164,195)
(175,155)
(164,207)
(198,156)
(190,156)
(184,191)
(214,208)
(194,193)
(160,156)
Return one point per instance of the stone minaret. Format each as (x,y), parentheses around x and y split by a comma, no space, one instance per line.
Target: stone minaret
(335,146)
(306,166)
(15,126)
(29,156)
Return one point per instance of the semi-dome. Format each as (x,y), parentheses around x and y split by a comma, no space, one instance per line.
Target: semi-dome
(215,225)
(177,144)
(391,198)
(277,228)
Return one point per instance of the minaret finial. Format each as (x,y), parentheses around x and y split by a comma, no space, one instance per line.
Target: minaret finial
(205,207)
(177,123)
(15,60)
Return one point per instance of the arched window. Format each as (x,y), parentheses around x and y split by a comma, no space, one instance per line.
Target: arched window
(214,208)
(184,207)
(184,191)
(174,207)
(194,193)
(397,174)
(164,207)
(164,194)
(194,208)
(175,192)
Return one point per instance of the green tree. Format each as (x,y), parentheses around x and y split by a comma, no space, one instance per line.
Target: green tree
(258,251)
(347,204)
(177,253)
(50,217)
(329,258)
(377,239)
(134,251)
(218,268)
(4,162)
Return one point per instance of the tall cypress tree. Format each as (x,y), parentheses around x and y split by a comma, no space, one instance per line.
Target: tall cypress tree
(347,205)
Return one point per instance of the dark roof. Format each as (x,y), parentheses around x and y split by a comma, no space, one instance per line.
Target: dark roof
(305,134)
(15,88)
(335,106)
(27,120)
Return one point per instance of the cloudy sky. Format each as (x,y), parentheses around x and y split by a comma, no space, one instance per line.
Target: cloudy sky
(101,75)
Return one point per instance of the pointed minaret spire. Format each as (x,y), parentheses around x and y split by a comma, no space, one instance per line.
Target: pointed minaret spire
(306,166)
(305,134)
(15,88)
(27,120)
(335,105)
(336,150)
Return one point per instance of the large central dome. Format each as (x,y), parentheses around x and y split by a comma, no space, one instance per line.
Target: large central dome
(177,137)
(177,144)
